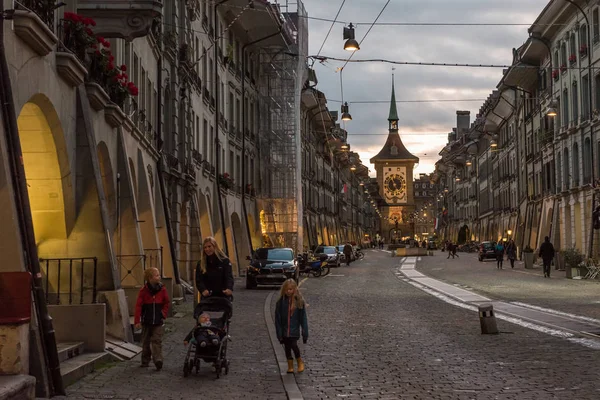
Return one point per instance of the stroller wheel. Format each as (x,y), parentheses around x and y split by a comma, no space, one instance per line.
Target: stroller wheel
(186,370)
(226,367)
(197,366)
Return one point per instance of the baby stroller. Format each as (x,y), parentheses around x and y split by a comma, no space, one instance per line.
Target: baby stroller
(219,309)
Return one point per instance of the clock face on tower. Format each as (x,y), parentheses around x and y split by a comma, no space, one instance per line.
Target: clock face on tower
(394,185)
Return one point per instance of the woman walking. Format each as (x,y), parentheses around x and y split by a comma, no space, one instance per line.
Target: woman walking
(511,252)
(213,272)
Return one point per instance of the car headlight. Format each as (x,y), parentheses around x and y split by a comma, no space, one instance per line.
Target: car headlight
(253,269)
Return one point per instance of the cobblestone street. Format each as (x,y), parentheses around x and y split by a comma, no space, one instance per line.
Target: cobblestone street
(372,336)
(253,374)
(376,337)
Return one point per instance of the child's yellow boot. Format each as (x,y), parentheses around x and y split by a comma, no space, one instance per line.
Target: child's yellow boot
(300,364)
(290,366)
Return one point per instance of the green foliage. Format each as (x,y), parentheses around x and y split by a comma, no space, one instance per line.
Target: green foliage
(572,257)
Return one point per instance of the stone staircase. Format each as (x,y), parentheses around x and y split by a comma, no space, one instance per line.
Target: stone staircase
(75,362)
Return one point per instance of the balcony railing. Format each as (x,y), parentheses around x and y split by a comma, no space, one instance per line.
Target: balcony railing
(43,8)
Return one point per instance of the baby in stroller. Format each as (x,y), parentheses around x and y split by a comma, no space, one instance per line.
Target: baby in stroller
(202,332)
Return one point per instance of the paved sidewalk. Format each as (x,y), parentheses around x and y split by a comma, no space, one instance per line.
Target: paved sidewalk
(580,297)
(254,373)
(373,336)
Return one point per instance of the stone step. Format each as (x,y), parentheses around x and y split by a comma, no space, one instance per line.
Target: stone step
(76,368)
(121,349)
(67,350)
(17,387)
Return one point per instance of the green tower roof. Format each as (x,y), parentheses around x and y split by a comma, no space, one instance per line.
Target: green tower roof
(393,110)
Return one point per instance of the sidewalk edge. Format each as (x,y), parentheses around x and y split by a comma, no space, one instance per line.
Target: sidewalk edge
(289,380)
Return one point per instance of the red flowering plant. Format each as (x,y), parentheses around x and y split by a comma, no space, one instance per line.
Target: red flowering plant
(77,35)
(555,73)
(112,78)
(583,50)
(572,58)
(226,181)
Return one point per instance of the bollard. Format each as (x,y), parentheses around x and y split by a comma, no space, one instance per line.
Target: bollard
(487,320)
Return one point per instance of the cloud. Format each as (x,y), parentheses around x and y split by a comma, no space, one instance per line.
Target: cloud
(423,126)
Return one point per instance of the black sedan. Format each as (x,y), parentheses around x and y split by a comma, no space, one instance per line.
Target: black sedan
(334,258)
(487,250)
(270,266)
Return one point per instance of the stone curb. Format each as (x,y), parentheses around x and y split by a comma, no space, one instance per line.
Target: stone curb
(289,380)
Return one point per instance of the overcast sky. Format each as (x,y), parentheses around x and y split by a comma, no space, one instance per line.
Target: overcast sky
(423,126)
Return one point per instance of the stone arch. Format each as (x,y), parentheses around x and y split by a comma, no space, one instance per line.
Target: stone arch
(133,178)
(206,217)
(256,238)
(240,239)
(47,171)
(108,182)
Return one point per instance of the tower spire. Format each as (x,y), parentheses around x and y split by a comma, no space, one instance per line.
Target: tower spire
(393,118)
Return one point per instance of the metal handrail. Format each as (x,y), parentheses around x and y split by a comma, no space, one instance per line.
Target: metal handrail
(59,261)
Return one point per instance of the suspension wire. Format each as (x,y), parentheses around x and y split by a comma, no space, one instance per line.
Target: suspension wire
(331,27)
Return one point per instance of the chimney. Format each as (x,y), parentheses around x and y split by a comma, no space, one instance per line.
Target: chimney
(463,121)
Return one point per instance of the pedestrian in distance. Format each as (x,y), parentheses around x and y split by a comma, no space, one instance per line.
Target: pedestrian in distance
(151,310)
(511,252)
(450,248)
(214,276)
(547,254)
(454,249)
(348,253)
(499,254)
(290,319)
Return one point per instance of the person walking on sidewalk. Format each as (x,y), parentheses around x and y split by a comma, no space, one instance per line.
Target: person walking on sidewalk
(290,317)
(214,276)
(511,252)
(499,254)
(151,309)
(348,253)
(547,254)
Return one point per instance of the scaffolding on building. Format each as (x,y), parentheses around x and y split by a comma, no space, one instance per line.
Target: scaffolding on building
(283,72)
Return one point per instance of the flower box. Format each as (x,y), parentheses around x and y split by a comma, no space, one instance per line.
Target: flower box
(97,96)
(114,115)
(572,58)
(70,68)
(33,31)
(563,68)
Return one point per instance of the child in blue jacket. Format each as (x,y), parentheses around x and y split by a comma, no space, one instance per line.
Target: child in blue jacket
(290,316)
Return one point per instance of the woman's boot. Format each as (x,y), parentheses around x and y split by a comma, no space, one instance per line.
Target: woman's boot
(290,366)
(300,364)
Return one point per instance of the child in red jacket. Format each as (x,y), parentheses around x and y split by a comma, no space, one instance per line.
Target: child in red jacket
(151,310)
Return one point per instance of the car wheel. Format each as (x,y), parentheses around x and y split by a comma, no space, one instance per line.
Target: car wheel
(250,284)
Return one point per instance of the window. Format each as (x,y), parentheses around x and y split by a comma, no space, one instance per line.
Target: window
(575,100)
(566,174)
(205,139)
(587,160)
(572,46)
(563,56)
(555,63)
(558,171)
(585,97)
(575,181)
(565,111)
(596,25)
(597,92)
(583,40)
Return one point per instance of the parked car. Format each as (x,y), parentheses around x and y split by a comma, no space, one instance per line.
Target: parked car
(334,258)
(487,250)
(270,266)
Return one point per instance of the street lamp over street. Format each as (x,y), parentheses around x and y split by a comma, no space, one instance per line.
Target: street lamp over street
(345,114)
(351,43)
(551,111)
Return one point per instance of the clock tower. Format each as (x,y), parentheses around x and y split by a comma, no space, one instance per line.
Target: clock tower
(394,165)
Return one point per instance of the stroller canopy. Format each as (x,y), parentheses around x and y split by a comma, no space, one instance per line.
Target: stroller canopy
(220,304)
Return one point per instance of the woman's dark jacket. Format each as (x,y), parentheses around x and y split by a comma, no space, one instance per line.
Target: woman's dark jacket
(288,322)
(218,276)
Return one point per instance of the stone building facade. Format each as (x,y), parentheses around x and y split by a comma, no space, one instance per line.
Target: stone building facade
(144,127)
(533,148)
